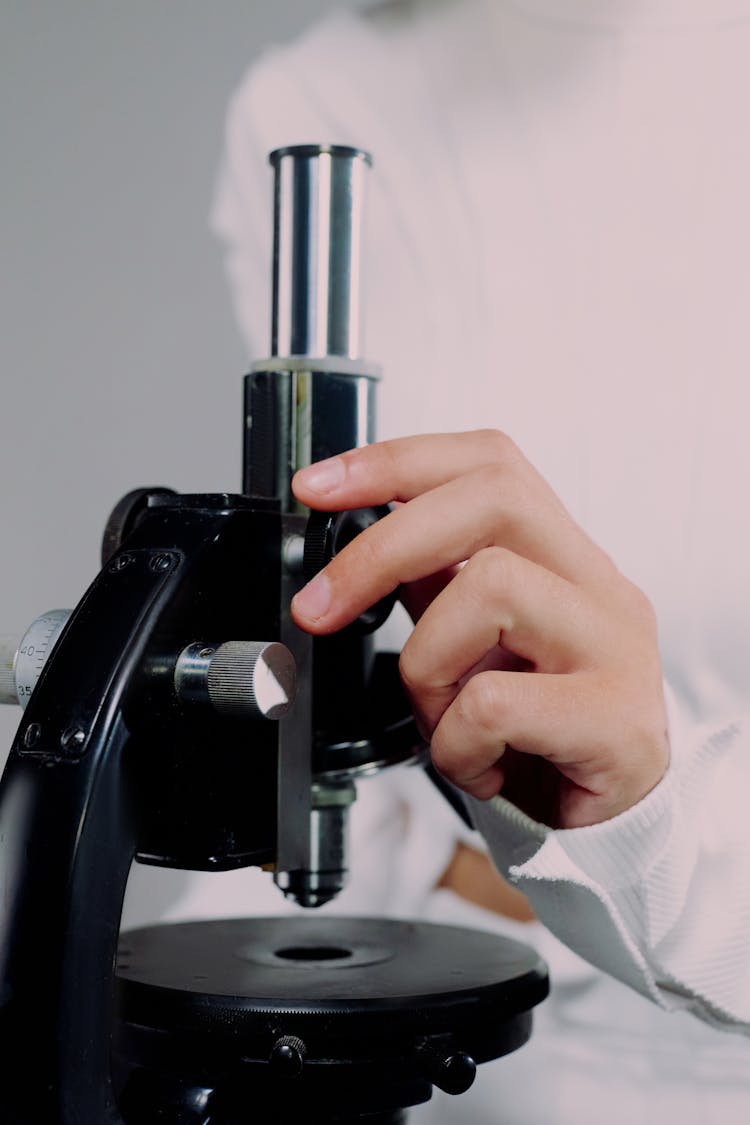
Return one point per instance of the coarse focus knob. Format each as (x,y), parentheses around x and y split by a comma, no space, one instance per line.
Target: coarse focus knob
(326,535)
(252,679)
(22,658)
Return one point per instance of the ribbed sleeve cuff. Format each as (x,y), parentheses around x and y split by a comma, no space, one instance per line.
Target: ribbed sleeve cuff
(615,854)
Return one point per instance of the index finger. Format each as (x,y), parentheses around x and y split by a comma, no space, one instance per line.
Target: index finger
(403,468)
(458,501)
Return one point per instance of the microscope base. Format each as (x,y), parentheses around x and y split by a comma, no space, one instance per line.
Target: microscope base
(328,1019)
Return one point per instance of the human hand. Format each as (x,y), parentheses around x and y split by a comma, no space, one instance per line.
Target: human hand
(533,668)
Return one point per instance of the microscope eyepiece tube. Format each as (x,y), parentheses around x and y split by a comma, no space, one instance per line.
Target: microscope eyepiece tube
(319,200)
(314,396)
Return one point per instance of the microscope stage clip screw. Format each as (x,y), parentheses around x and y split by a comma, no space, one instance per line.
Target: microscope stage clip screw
(447,1067)
(288,1056)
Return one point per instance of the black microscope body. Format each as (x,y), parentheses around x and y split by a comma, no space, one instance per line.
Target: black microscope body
(182,720)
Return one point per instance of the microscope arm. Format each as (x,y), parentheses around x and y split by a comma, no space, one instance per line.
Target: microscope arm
(107,764)
(68,832)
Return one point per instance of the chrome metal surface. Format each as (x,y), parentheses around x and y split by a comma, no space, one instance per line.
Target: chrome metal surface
(191,672)
(319,195)
(254,679)
(294,789)
(327,866)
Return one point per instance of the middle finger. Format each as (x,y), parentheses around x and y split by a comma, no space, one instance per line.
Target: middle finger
(498,601)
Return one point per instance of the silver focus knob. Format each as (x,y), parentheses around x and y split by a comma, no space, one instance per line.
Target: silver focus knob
(254,679)
(22,658)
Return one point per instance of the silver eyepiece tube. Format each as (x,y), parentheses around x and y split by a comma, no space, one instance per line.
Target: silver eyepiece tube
(318,227)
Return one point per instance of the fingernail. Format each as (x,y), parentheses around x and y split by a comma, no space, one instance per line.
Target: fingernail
(324,476)
(314,600)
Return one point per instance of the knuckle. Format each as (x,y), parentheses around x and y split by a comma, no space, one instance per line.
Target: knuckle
(386,458)
(640,607)
(444,758)
(488,566)
(499,445)
(479,703)
(491,487)
(645,607)
(493,477)
(430,698)
(503,497)
(485,579)
(378,461)
(367,563)
(462,762)
(371,550)
(410,669)
(449,759)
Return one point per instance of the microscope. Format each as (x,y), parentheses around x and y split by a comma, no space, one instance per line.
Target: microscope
(178,717)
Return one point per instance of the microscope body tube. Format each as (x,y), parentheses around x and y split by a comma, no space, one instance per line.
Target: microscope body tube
(315,395)
(312,398)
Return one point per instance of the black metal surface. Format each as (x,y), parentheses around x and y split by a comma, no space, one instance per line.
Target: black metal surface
(202,775)
(340,409)
(173,783)
(124,516)
(363,1015)
(147,775)
(341,964)
(68,826)
(327,534)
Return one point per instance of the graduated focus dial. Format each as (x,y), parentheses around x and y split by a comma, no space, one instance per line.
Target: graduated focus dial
(22,658)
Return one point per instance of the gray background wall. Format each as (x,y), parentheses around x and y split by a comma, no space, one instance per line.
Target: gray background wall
(119,361)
